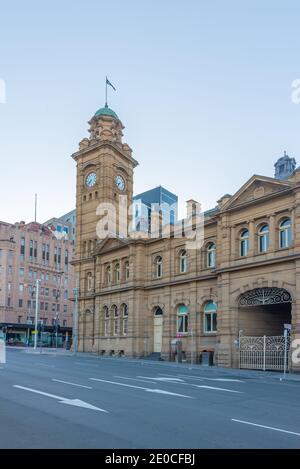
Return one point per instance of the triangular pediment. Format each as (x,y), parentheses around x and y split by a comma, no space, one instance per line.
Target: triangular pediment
(256,188)
(109,244)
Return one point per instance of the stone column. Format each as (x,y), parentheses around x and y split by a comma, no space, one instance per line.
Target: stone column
(252,238)
(272,233)
(227,323)
(232,243)
(191,351)
(295,332)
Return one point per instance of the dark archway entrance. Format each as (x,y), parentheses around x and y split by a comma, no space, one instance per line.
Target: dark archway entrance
(264,313)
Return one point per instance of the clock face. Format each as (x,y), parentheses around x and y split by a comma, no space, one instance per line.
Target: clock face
(91,179)
(120,183)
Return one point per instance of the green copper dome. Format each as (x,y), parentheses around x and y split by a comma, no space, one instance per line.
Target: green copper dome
(106,111)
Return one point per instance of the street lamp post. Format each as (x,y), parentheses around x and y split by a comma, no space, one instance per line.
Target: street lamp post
(192,347)
(36,312)
(58,296)
(76,291)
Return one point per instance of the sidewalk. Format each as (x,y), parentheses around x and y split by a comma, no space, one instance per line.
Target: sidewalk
(214,370)
(175,367)
(42,350)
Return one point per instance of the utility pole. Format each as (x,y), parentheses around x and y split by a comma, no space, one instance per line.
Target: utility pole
(58,297)
(56,330)
(36,312)
(285,352)
(76,315)
(192,348)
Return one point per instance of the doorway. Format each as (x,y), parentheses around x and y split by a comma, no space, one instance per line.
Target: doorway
(158,330)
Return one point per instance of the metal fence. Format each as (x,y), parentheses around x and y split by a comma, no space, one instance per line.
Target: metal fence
(264,353)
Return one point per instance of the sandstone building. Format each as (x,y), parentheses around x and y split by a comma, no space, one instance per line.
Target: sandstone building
(137,295)
(30,253)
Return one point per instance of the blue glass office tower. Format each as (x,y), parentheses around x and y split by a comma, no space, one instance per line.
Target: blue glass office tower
(158,200)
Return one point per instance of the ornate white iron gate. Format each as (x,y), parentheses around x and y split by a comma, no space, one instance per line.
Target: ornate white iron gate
(264,353)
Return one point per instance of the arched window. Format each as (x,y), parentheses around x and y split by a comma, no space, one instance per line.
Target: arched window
(106,320)
(89,281)
(124,313)
(183,261)
(210,317)
(108,274)
(211,255)
(117,273)
(115,314)
(158,267)
(263,238)
(285,233)
(182,318)
(244,243)
(127,270)
(158,312)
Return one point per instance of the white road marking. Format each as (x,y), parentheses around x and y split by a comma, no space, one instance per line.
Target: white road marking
(165,379)
(217,389)
(181,381)
(265,426)
(71,384)
(132,379)
(201,378)
(63,400)
(159,391)
(162,391)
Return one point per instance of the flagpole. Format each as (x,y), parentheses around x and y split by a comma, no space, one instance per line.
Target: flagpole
(106,92)
(35,207)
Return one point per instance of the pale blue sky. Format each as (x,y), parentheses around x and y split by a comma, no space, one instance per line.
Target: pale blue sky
(203,89)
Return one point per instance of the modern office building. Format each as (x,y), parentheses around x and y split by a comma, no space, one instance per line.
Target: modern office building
(63,227)
(158,200)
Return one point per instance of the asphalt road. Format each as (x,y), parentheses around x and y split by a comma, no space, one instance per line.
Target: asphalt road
(57,401)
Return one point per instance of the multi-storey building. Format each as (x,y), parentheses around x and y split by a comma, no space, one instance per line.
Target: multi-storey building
(138,294)
(64,226)
(158,200)
(30,253)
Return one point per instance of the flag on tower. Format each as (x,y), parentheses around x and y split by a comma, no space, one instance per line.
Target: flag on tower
(110,84)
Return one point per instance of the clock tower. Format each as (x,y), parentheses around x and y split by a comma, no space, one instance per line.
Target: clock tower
(104,174)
